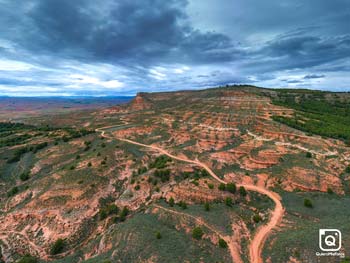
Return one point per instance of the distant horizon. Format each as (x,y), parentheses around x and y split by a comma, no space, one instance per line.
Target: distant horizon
(175,90)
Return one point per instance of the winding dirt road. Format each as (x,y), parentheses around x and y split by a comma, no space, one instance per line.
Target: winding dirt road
(257,244)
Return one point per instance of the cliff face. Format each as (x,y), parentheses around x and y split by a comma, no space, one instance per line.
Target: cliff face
(140,103)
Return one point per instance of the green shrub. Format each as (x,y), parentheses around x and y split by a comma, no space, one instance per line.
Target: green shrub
(137,187)
(222,187)
(222,243)
(207,206)
(257,218)
(330,190)
(158,235)
(242,191)
(197,233)
(57,247)
(13,191)
(210,186)
(24,176)
(228,201)
(347,169)
(171,202)
(164,175)
(308,155)
(183,205)
(231,187)
(308,203)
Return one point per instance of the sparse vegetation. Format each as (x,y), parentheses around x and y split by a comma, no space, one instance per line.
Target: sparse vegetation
(197,233)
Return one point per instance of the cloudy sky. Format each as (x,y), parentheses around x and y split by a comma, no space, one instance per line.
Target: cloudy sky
(120,47)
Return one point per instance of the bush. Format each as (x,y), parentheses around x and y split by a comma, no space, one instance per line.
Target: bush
(231,187)
(308,203)
(228,201)
(347,169)
(210,186)
(206,206)
(24,176)
(242,191)
(137,187)
(171,202)
(183,205)
(257,218)
(13,191)
(329,190)
(308,155)
(197,233)
(222,187)
(222,243)
(57,247)
(124,213)
(158,235)
(164,175)
(160,162)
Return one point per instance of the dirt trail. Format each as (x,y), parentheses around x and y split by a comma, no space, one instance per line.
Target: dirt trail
(257,244)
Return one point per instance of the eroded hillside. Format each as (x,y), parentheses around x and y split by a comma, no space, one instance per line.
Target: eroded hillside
(158,180)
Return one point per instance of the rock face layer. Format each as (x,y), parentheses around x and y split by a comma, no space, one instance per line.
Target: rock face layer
(140,103)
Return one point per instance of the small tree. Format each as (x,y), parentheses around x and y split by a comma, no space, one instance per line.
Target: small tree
(124,213)
(228,201)
(171,202)
(242,191)
(24,176)
(57,247)
(206,206)
(257,218)
(222,187)
(158,235)
(210,186)
(308,155)
(330,190)
(308,203)
(347,169)
(183,205)
(222,243)
(231,187)
(197,233)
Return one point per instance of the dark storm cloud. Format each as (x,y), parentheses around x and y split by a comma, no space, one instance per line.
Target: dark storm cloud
(146,31)
(308,51)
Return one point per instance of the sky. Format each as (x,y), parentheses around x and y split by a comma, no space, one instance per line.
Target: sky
(120,47)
